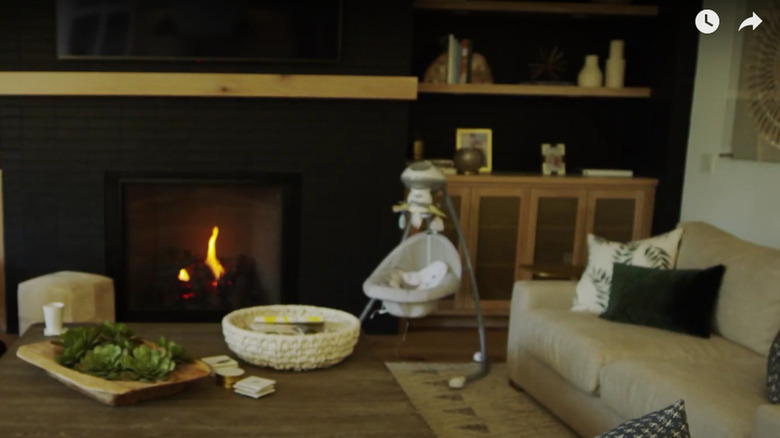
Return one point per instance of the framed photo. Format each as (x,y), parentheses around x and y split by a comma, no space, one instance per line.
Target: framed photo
(553,163)
(478,138)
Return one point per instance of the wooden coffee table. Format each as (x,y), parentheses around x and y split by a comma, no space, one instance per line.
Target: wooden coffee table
(356,398)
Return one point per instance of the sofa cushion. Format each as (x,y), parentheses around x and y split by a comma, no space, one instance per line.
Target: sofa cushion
(748,306)
(669,422)
(577,344)
(594,285)
(767,422)
(721,395)
(681,300)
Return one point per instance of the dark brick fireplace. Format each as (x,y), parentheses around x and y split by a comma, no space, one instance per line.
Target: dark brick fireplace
(194,246)
(57,153)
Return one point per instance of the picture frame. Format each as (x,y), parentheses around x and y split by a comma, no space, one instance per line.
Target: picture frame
(481,138)
(554,159)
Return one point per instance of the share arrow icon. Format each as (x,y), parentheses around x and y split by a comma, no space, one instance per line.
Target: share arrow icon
(753,21)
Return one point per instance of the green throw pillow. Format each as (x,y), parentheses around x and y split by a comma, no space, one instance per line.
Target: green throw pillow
(681,300)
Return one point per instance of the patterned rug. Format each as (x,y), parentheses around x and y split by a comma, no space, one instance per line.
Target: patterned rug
(488,407)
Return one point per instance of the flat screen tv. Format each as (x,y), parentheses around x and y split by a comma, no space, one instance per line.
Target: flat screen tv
(199,30)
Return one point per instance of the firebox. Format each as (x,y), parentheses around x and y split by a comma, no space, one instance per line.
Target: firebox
(195,247)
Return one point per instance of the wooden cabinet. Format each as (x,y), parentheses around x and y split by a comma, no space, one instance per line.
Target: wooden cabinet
(523,227)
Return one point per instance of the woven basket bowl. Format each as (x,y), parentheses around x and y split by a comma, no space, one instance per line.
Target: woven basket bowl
(291,352)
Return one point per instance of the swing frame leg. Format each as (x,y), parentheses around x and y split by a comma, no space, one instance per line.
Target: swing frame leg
(480,356)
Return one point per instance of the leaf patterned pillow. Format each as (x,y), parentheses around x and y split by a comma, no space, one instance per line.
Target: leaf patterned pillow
(593,288)
(670,422)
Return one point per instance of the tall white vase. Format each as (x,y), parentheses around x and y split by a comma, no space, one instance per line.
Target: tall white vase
(615,65)
(590,75)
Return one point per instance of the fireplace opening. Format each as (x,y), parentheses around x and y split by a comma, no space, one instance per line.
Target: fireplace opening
(195,248)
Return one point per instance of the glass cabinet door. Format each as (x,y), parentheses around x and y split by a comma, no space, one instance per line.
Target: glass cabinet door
(498,224)
(557,224)
(457,204)
(460,199)
(614,216)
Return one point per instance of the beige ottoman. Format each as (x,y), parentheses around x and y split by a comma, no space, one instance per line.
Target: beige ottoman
(87,297)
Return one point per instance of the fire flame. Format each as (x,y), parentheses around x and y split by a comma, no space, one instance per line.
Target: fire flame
(184,275)
(211,256)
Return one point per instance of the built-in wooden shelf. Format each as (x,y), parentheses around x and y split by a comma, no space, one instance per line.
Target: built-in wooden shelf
(534,90)
(538,7)
(542,181)
(207,85)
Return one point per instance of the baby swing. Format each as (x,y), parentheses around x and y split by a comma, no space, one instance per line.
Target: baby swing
(425,267)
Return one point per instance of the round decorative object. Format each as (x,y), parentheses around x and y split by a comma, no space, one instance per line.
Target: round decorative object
(763,76)
(468,160)
(291,352)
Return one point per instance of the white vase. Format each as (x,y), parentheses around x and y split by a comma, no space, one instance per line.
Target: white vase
(590,75)
(615,65)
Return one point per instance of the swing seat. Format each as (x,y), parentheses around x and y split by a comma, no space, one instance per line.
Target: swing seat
(414,254)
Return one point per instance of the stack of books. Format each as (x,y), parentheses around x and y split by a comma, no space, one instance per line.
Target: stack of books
(254,386)
(288,325)
(460,53)
(624,173)
(220,362)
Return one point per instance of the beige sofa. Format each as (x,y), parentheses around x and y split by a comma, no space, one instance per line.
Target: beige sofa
(594,374)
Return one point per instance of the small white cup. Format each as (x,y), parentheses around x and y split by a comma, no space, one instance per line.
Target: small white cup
(52,315)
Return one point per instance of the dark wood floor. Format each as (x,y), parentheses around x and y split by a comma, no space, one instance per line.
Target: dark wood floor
(424,344)
(439,345)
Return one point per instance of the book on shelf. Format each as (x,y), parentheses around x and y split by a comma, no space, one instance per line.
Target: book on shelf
(460,53)
(620,173)
(465,61)
(453,60)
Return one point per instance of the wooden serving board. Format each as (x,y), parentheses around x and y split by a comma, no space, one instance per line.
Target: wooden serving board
(111,392)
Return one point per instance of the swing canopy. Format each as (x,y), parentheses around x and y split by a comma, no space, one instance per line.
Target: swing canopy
(411,255)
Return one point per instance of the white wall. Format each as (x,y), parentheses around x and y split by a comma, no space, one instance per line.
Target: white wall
(742,197)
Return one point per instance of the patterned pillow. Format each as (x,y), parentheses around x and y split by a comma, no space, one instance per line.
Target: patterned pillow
(593,289)
(669,422)
(773,371)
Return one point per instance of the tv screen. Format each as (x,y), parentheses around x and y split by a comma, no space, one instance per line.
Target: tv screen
(241,30)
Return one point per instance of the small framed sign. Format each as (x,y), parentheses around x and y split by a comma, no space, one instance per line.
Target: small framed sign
(553,163)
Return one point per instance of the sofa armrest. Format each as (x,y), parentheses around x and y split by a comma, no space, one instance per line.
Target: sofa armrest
(543,294)
(767,422)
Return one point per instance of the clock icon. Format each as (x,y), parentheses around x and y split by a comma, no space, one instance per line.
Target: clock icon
(707,21)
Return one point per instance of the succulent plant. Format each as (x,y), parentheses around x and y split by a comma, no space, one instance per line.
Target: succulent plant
(148,364)
(102,361)
(112,351)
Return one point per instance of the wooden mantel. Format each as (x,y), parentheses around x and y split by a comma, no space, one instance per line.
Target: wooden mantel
(39,83)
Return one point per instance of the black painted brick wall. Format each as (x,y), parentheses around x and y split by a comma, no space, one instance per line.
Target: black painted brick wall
(55,152)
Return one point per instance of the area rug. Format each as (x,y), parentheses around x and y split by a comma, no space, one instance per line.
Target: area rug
(488,407)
